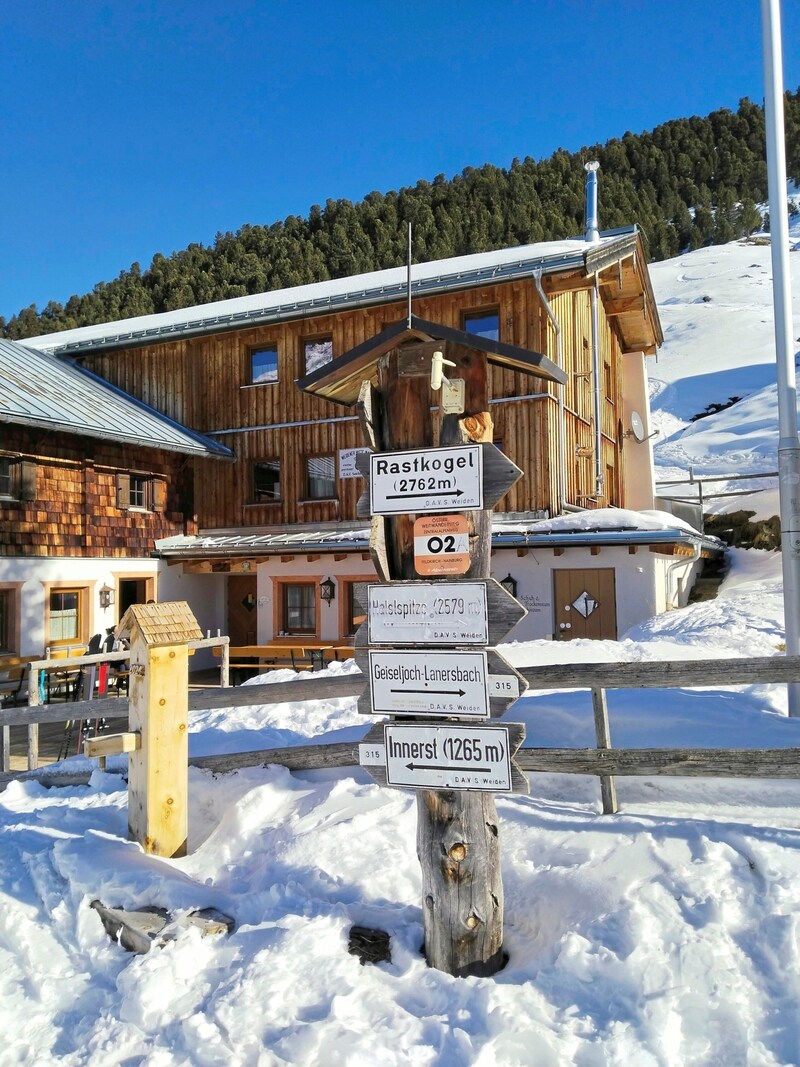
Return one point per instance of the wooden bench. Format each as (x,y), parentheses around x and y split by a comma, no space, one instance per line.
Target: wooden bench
(283,655)
(14,679)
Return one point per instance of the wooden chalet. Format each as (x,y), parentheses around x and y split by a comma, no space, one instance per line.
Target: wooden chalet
(89,479)
(273,377)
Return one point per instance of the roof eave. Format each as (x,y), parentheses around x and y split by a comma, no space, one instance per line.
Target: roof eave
(367,297)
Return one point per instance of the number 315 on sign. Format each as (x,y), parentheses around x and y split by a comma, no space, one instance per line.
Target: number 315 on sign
(441,544)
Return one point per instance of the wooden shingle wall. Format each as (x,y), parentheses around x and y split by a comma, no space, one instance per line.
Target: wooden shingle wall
(75,510)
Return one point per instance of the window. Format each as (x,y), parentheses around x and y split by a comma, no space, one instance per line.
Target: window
(356,613)
(17,478)
(141,492)
(5,620)
(65,615)
(266,481)
(483,324)
(316,353)
(608,379)
(299,609)
(5,476)
(320,478)
(264,365)
(138,491)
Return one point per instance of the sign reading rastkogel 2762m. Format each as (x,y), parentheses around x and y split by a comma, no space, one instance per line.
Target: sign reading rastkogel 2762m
(430,479)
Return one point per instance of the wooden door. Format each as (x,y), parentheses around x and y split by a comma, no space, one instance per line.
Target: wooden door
(585,604)
(242,609)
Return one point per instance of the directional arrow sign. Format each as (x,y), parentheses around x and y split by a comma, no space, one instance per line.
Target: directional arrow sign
(457,478)
(477,612)
(457,756)
(451,684)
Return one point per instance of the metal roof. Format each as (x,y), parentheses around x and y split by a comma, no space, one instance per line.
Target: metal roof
(341,379)
(40,389)
(365,290)
(519,531)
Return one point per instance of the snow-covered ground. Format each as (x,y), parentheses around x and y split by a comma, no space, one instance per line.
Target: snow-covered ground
(667,935)
(716,310)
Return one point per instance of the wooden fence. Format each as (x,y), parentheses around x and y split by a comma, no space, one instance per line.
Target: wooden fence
(603,761)
(37,712)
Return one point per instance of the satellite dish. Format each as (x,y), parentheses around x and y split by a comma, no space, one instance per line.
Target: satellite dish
(637,426)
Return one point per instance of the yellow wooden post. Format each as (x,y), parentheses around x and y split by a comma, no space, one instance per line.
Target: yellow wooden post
(158,768)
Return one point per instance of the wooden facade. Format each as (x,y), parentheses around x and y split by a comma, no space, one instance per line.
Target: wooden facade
(70,495)
(204,383)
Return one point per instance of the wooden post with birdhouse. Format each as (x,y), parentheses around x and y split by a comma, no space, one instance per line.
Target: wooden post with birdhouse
(432,482)
(158,764)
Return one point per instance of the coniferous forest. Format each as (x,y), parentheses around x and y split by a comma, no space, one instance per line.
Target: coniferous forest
(688,183)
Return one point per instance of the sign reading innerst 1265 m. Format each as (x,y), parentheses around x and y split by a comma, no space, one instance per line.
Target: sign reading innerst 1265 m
(430,479)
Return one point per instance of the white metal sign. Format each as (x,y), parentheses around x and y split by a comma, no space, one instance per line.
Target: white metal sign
(413,682)
(430,479)
(448,757)
(430,613)
(347,462)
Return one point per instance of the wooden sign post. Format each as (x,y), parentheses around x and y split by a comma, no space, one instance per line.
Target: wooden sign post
(158,767)
(458,834)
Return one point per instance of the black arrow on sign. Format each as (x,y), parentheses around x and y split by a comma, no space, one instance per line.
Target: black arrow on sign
(433,692)
(411,496)
(448,767)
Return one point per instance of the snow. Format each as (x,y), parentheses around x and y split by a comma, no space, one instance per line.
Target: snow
(667,935)
(335,288)
(716,310)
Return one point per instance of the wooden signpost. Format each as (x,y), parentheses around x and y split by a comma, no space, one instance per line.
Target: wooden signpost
(425,645)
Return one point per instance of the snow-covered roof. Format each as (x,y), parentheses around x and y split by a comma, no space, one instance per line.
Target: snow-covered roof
(608,526)
(359,290)
(40,389)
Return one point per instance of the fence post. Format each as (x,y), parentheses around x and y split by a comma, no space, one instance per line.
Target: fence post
(225,665)
(158,711)
(608,785)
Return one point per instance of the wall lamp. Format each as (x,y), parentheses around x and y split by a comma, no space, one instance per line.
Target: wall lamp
(327,590)
(509,584)
(107,596)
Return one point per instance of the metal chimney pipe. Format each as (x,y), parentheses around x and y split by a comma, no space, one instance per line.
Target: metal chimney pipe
(592,230)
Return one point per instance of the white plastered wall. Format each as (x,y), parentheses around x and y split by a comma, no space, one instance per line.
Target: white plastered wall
(33,577)
(353,567)
(646,584)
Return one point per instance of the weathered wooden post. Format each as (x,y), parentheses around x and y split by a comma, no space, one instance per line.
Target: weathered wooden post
(431,489)
(458,836)
(158,739)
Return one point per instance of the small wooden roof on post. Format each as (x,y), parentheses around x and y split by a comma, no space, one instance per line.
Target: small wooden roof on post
(340,380)
(171,623)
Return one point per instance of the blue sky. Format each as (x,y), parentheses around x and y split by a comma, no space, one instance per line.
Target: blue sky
(138,126)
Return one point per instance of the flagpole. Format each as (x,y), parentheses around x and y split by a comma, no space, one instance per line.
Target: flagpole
(788,443)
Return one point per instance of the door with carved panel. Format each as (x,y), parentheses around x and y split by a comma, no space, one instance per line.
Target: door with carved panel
(242,609)
(585,604)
